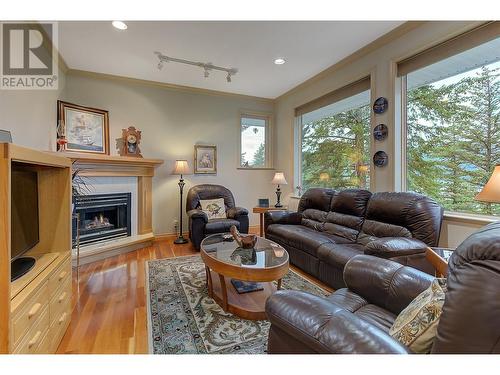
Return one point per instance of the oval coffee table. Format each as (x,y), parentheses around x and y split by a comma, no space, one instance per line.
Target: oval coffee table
(224,261)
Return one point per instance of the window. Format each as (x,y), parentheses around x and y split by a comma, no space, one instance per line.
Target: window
(334,140)
(453,127)
(255,141)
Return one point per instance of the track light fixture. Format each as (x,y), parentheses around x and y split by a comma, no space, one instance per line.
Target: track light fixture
(207,67)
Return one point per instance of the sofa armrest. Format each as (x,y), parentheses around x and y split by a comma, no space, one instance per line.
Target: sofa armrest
(389,247)
(282,217)
(234,212)
(324,327)
(198,214)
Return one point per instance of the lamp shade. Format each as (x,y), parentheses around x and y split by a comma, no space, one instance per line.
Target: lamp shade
(491,191)
(181,167)
(279,179)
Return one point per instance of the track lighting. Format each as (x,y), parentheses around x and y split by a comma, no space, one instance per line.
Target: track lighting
(207,67)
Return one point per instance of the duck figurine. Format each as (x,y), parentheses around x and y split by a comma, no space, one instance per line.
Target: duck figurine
(245,242)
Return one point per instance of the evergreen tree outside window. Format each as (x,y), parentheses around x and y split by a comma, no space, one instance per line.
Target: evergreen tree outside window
(453,128)
(335,144)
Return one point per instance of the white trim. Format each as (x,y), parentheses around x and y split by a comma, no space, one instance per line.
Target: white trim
(470,218)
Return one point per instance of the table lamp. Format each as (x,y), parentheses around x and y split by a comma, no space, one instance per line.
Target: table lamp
(279,179)
(491,191)
(181,168)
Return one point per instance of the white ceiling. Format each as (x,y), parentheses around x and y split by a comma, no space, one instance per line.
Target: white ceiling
(308,47)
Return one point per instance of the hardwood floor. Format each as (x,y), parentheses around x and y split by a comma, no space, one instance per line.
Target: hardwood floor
(109,302)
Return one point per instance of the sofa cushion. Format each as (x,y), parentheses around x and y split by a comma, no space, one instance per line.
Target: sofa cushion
(378,316)
(420,215)
(317,198)
(356,304)
(351,202)
(214,208)
(299,237)
(314,219)
(338,254)
(220,225)
(373,230)
(347,299)
(343,225)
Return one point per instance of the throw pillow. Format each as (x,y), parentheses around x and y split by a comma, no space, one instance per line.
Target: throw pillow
(214,208)
(416,325)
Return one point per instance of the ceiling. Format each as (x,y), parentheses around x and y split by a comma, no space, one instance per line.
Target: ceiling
(250,46)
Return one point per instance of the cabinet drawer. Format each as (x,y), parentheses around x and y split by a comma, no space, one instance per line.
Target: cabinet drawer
(35,336)
(59,276)
(60,302)
(58,328)
(23,319)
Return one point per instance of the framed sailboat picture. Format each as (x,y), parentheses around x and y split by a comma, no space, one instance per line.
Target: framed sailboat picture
(82,129)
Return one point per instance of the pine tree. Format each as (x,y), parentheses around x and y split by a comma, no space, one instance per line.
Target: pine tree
(259,157)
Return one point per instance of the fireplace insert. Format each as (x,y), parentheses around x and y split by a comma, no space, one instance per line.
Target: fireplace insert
(102,217)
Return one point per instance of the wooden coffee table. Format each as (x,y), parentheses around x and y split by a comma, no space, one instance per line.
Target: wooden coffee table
(224,261)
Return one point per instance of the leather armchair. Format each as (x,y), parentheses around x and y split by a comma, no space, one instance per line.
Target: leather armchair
(200,226)
(357,319)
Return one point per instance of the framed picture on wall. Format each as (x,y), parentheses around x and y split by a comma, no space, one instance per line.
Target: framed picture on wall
(84,129)
(205,159)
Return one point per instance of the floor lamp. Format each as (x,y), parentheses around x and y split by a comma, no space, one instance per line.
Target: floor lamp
(491,191)
(181,168)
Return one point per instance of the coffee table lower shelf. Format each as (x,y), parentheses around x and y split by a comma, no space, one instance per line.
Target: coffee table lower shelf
(247,305)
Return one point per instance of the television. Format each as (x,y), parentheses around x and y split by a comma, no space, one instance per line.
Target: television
(24,218)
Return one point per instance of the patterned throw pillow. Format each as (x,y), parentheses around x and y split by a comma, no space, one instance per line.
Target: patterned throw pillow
(214,208)
(416,325)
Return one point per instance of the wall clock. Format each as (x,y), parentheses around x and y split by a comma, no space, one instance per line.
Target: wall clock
(129,142)
(380,105)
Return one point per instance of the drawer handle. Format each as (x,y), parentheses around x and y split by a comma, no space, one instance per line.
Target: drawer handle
(34,310)
(62,274)
(62,318)
(62,297)
(35,339)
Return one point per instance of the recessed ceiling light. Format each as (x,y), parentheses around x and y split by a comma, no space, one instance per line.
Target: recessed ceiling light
(119,25)
(279,61)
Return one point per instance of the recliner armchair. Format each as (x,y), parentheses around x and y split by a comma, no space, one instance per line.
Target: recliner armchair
(357,319)
(200,226)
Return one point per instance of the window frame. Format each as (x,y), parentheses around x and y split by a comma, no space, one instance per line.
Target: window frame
(268,118)
(444,50)
(339,94)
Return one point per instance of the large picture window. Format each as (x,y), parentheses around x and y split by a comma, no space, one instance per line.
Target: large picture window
(334,143)
(453,127)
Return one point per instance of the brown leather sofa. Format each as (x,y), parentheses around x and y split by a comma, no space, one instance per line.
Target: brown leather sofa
(200,226)
(357,319)
(331,227)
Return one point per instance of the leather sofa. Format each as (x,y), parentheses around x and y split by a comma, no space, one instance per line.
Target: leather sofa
(200,226)
(332,226)
(357,319)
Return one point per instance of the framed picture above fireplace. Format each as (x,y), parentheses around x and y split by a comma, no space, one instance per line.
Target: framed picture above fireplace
(83,129)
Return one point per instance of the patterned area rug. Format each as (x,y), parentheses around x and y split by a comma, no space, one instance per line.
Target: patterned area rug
(183,319)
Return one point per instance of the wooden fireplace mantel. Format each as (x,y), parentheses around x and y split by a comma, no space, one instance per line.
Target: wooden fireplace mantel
(95,165)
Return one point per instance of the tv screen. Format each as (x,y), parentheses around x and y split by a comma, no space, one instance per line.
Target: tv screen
(24,210)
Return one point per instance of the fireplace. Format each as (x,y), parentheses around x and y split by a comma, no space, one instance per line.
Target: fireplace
(102,217)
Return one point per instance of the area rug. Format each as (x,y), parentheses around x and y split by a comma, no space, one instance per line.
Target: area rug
(183,319)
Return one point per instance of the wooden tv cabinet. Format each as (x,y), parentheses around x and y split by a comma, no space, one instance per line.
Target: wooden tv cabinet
(35,310)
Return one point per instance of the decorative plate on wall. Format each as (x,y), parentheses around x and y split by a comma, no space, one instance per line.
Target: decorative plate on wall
(380,159)
(380,132)
(380,105)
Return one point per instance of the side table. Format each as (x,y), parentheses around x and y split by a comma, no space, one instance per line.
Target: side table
(261,211)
